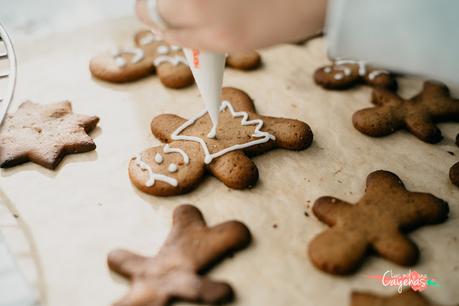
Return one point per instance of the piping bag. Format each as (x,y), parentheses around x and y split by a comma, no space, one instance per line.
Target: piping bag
(207,67)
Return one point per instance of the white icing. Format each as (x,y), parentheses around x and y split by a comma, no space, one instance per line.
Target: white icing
(172,168)
(208,157)
(338,76)
(175,48)
(159,159)
(167,149)
(153,177)
(148,39)
(374,74)
(137,56)
(174,60)
(213,132)
(328,69)
(162,49)
(362,68)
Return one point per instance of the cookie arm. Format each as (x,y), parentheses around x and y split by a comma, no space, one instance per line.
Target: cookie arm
(235,170)
(423,128)
(125,263)
(290,134)
(329,209)
(163,126)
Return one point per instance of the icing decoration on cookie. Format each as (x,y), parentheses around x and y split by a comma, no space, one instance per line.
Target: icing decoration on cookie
(265,136)
(167,149)
(148,39)
(344,74)
(172,168)
(174,60)
(152,175)
(137,53)
(159,159)
(339,65)
(162,49)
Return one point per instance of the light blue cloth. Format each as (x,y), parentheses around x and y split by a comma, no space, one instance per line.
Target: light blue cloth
(410,36)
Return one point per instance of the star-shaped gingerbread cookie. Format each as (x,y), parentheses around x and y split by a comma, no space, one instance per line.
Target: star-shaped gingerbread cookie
(406,298)
(376,222)
(44,134)
(151,55)
(418,115)
(175,273)
(180,165)
(344,74)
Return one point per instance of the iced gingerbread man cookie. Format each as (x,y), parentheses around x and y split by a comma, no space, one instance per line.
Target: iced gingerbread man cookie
(378,222)
(344,74)
(179,166)
(152,55)
(176,271)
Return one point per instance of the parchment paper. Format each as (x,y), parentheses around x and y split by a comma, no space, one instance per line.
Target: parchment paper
(88,207)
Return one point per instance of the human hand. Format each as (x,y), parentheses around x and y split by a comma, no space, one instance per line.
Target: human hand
(236,25)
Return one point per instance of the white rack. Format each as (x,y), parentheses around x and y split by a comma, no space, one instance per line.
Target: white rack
(7,55)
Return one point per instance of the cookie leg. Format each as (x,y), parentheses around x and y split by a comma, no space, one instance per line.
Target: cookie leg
(397,248)
(338,251)
(235,170)
(423,128)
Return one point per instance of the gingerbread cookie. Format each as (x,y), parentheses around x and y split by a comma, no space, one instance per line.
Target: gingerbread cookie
(154,55)
(180,165)
(418,115)
(344,74)
(44,134)
(248,60)
(406,298)
(377,222)
(175,273)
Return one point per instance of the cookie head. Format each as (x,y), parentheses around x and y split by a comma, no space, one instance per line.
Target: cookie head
(121,65)
(344,74)
(166,170)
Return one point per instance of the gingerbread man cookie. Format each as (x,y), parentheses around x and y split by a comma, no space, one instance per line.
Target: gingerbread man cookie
(418,115)
(154,55)
(406,298)
(175,273)
(44,134)
(377,222)
(344,74)
(180,165)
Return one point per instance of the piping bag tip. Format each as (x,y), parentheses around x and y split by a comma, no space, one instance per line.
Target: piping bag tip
(208,68)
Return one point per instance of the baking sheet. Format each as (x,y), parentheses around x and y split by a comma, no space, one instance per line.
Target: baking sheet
(88,207)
